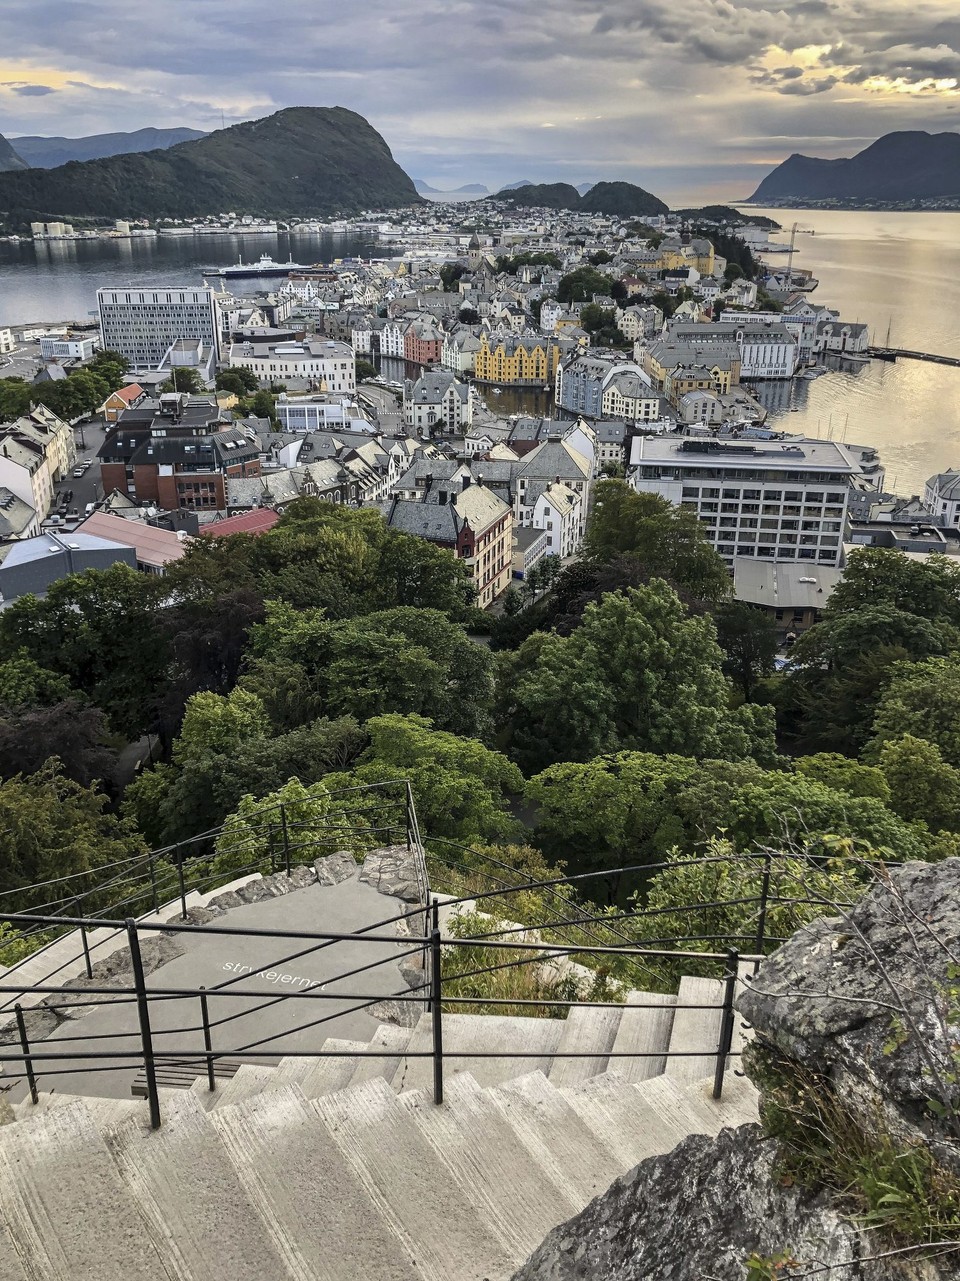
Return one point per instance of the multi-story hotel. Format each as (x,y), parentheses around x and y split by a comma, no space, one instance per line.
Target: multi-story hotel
(778,499)
(143,324)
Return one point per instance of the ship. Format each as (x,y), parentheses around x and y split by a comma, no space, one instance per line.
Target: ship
(264,266)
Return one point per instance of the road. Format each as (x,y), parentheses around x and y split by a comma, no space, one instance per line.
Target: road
(86,489)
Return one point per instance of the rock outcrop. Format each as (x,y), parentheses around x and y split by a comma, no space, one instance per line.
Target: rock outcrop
(856,1017)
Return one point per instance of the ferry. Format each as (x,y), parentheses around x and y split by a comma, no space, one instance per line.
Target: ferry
(264,266)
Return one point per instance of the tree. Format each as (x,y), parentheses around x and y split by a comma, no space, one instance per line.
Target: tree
(102,630)
(184,379)
(843,775)
(582,284)
(922,700)
(748,637)
(365,370)
(240,381)
(733,271)
(71,731)
(668,541)
(882,576)
(638,673)
(922,786)
(618,292)
(50,827)
(263,405)
(599,258)
(461,788)
(24,683)
(14,398)
(469,316)
(595,319)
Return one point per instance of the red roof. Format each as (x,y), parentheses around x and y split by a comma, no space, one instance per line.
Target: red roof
(130,392)
(257,521)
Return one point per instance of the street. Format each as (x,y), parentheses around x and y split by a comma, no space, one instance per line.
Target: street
(86,489)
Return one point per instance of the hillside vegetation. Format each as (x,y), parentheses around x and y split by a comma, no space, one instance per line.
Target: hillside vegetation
(304,160)
(618,199)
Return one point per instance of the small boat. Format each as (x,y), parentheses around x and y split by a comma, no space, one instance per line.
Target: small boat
(496,391)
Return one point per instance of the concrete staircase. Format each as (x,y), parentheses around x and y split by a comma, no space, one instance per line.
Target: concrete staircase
(344,1169)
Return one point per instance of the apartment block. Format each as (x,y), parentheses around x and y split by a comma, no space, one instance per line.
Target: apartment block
(143,324)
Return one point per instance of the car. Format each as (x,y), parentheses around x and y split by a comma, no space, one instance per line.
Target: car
(73,514)
(78,472)
(53,520)
(89,509)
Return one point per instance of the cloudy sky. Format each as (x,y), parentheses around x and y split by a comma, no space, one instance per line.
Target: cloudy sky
(690,98)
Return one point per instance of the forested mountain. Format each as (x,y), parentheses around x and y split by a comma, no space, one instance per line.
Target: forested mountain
(899,168)
(304,160)
(619,199)
(9,159)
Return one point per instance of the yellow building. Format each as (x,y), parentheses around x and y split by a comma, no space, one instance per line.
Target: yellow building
(677,254)
(517,360)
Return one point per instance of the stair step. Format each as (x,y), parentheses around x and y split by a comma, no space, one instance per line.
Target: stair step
(387,1037)
(250,1079)
(624,1121)
(314,1208)
(65,1205)
(553,1131)
(695,1030)
(201,1220)
(515,1193)
(738,1105)
(412,1188)
(466,1035)
(333,1073)
(644,1031)
(585,1029)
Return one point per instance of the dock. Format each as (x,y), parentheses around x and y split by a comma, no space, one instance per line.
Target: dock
(898,353)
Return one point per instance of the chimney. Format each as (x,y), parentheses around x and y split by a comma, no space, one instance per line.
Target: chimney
(442,498)
(427,482)
(480,479)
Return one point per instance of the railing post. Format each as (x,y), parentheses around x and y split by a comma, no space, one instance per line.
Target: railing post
(27,1060)
(143,1012)
(83,938)
(271,828)
(409,806)
(207,1045)
(436,1001)
(183,890)
(726,1019)
(286,837)
(762,918)
(153,882)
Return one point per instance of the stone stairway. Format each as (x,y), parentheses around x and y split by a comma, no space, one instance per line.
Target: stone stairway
(343,1168)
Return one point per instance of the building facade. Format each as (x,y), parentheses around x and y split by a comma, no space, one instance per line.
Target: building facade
(776,500)
(142,324)
(331,365)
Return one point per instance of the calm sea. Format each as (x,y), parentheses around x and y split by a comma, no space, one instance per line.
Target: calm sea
(898,273)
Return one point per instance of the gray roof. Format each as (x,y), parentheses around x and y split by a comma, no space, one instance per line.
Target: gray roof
(783,584)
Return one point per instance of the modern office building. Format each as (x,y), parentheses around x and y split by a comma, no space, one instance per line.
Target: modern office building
(777,499)
(143,324)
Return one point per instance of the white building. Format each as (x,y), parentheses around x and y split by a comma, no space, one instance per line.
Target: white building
(142,324)
(67,348)
(782,500)
(941,494)
(437,403)
(314,413)
(837,337)
(7,343)
(332,365)
(557,511)
(391,339)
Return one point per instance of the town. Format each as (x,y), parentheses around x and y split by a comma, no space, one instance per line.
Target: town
(660,356)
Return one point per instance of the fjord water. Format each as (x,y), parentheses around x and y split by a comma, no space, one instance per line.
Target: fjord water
(896,272)
(890,270)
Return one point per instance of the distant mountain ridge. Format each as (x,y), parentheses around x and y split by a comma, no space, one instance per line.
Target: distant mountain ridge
(616,199)
(468,189)
(897,168)
(9,158)
(48,153)
(303,160)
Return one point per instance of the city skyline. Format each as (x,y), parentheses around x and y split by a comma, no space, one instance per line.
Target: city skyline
(686,97)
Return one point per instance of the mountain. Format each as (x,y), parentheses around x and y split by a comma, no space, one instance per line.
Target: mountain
(424,187)
(304,160)
(471,188)
(621,200)
(9,159)
(512,186)
(541,195)
(47,153)
(584,187)
(618,199)
(899,168)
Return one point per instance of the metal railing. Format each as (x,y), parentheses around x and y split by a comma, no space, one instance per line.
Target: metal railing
(78,1052)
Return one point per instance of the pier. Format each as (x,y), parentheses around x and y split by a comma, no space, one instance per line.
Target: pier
(896,353)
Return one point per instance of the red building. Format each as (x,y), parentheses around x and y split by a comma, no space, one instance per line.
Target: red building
(176,453)
(422,343)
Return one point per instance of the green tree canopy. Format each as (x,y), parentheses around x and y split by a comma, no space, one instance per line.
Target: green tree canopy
(748,637)
(922,700)
(883,576)
(582,284)
(922,786)
(668,541)
(638,673)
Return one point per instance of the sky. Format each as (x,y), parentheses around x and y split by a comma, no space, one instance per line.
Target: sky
(692,99)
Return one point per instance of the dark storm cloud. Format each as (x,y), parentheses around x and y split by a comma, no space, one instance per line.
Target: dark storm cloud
(28,90)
